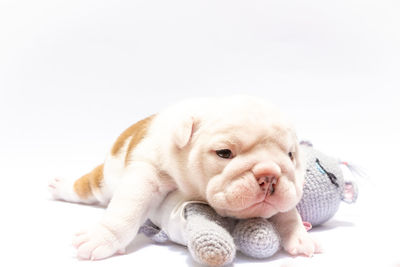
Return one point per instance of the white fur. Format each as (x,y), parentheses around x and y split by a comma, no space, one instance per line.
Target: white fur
(179,152)
(62,189)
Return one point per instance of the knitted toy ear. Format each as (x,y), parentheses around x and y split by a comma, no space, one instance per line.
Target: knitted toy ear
(350,192)
(306,143)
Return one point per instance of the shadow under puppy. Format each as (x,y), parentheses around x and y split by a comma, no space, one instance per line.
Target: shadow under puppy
(239,154)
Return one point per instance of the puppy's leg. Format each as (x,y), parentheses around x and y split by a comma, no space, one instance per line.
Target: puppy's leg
(79,191)
(88,189)
(295,238)
(139,190)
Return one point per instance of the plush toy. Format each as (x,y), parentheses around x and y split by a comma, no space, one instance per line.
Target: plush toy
(213,240)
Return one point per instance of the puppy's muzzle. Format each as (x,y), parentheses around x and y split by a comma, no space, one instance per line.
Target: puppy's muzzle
(267,175)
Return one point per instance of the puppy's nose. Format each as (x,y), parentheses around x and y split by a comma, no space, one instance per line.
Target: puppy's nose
(267,175)
(267,184)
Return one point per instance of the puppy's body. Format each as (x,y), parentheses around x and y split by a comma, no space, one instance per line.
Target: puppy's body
(237,153)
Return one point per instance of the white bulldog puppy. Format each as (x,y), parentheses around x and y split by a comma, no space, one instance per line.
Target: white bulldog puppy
(239,154)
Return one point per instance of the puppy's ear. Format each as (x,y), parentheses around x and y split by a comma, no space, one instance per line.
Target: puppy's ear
(184,131)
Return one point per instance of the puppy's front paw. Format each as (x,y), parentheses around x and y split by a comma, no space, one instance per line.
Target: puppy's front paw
(97,243)
(301,244)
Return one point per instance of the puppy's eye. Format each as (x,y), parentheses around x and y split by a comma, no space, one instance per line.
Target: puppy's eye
(291,155)
(224,153)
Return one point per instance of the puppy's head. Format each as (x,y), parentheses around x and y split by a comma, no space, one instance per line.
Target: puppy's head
(242,157)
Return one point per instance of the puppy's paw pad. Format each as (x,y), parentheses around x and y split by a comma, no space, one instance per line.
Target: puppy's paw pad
(96,243)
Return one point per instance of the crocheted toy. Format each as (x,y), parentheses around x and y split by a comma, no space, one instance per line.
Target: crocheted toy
(213,240)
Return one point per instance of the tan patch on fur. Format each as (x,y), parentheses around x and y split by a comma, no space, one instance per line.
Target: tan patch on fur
(137,132)
(84,186)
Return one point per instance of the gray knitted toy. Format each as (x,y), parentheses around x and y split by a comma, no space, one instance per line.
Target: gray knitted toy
(213,240)
(324,188)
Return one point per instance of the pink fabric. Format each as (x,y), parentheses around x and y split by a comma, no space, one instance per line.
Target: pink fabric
(307,225)
(349,192)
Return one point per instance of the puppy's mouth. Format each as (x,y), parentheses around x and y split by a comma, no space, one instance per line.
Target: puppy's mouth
(263,205)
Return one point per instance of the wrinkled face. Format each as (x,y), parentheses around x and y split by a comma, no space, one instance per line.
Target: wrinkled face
(247,167)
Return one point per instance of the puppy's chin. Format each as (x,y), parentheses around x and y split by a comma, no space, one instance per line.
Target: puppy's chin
(265,208)
(261,209)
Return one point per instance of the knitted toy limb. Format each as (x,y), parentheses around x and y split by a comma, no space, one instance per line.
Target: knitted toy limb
(152,231)
(256,237)
(193,224)
(208,237)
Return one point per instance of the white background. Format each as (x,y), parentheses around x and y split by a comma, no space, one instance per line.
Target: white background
(74,74)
